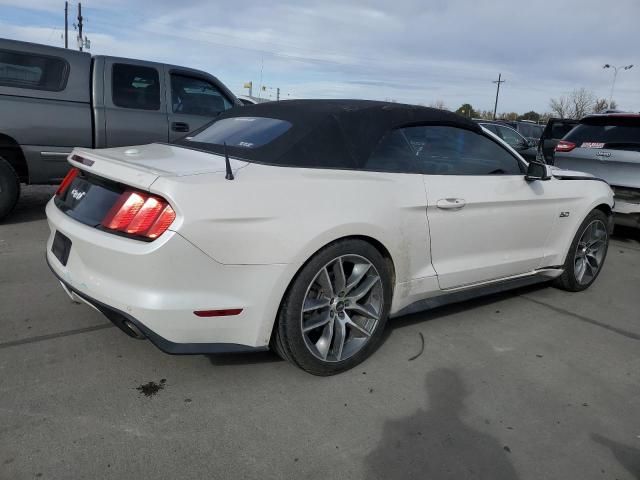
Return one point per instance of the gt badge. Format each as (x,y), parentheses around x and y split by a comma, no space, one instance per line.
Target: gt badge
(564,214)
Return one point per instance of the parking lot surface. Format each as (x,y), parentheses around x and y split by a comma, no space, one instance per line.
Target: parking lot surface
(531,384)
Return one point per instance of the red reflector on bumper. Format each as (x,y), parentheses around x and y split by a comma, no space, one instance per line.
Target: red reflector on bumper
(218,313)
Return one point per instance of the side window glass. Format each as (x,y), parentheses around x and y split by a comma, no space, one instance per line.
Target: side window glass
(134,86)
(194,96)
(25,70)
(439,150)
(510,136)
(394,153)
(490,127)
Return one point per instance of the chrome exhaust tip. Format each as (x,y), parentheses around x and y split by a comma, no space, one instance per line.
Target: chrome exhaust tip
(134,331)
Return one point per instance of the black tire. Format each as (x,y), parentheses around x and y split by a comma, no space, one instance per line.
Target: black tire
(9,188)
(288,340)
(568,280)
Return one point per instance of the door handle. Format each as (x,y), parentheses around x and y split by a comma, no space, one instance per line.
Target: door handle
(451,203)
(180,127)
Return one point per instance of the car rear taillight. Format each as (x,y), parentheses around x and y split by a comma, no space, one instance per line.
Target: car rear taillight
(140,214)
(564,146)
(73,173)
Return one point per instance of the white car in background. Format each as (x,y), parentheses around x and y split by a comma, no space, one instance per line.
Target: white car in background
(305,225)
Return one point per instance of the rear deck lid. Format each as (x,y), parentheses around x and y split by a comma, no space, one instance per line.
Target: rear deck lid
(140,166)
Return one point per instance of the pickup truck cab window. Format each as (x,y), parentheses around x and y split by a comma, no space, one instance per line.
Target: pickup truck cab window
(135,86)
(36,72)
(195,96)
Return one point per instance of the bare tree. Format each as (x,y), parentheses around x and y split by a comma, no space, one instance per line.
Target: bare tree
(581,102)
(560,106)
(439,104)
(600,106)
(577,104)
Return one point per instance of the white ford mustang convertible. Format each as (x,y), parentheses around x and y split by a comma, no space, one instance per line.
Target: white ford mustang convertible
(304,225)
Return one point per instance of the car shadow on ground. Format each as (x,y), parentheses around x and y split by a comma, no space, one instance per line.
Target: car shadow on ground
(458,307)
(628,457)
(251,358)
(627,235)
(30,207)
(436,443)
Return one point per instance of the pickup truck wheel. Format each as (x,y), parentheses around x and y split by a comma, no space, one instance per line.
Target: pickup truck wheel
(586,254)
(9,188)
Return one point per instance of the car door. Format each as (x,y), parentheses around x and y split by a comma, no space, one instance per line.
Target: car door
(192,102)
(134,100)
(486,221)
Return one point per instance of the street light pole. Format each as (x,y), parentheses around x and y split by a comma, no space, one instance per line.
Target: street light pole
(615,74)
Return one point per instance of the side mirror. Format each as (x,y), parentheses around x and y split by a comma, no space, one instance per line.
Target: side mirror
(537,171)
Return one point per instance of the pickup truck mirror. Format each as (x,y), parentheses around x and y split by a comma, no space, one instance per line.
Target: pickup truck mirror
(537,171)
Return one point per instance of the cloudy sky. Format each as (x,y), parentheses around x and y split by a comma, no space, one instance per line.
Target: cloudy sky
(414,51)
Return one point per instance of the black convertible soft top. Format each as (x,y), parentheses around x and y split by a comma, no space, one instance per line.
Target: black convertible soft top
(327,133)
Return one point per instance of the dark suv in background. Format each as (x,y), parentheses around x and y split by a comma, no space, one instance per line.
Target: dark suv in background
(554,131)
(514,139)
(528,129)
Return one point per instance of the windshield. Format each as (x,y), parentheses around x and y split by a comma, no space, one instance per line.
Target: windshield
(242,132)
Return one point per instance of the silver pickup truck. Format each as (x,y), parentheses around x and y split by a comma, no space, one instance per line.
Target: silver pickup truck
(53,99)
(608,146)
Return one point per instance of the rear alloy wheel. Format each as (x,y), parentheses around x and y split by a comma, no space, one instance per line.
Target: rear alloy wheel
(587,253)
(335,311)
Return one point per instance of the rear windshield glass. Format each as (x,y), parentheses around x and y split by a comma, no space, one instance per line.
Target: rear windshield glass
(24,70)
(243,132)
(607,134)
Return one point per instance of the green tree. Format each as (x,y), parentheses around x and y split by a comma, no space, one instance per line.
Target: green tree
(466,110)
(508,116)
(535,116)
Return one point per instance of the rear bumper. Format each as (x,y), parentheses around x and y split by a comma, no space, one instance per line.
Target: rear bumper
(157,286)
(136,329)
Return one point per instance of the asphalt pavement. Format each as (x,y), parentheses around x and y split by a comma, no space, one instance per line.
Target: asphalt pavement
(535,383)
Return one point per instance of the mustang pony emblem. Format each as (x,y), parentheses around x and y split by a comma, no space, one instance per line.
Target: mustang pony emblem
(77,194)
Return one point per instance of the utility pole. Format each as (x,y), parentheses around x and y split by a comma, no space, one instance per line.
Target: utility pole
(499,81)
(66,24)
(80,39)
(278,94)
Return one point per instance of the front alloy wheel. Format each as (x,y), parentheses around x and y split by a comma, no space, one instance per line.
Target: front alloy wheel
(587,253)
(590,252)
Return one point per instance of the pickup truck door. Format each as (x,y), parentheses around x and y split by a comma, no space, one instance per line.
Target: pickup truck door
(134,102)
(193,99)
